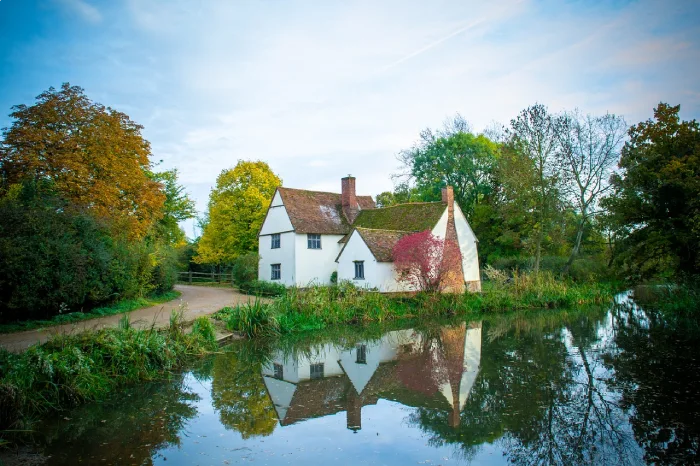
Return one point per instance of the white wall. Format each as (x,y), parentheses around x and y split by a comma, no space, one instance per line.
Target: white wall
(315,265)
(440,228)
(467,246)
(277,221)
(284,256)
(378,275)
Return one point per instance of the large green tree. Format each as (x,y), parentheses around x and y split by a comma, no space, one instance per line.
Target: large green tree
(655,206)
(534,133)
(237,208)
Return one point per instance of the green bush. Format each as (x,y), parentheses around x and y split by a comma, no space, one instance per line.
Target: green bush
(262,288)
(245,268)
(58,259)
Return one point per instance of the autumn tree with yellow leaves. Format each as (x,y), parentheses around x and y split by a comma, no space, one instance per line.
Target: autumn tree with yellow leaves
(237,207)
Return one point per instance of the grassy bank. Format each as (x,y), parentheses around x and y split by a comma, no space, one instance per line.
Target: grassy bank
(321,307)
(126,305)
(74,369)
(682,299)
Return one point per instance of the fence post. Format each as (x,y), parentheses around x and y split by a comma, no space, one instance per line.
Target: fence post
(190,274)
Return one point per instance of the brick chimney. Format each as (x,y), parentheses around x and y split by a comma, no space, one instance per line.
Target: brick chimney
(349,199)
(448,197)
(453,282)
(354,410)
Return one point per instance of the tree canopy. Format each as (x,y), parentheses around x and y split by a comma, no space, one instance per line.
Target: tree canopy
(237,208)
(94,155)
(655,206)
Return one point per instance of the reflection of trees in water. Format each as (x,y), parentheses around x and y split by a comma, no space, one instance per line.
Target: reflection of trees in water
(657,370)
(126,430)
(542,396)
(239,394)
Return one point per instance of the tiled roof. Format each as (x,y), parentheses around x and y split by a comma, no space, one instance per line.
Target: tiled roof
(319,212)
(418,216)
(381,242)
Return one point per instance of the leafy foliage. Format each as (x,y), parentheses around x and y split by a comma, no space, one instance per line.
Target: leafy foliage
(94,155)
(237,207)
(424,261)
(655,207)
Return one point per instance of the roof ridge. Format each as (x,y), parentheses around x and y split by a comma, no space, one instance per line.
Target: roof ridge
(409,203)
(320,192)
(383,229)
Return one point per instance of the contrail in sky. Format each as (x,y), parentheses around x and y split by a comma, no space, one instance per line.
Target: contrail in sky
(433,44)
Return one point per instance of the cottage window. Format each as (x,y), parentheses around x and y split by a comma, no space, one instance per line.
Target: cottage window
(275,241)
(279,371)
(361,354)
(276,271)
(314,241)
(359,270)
(317,371)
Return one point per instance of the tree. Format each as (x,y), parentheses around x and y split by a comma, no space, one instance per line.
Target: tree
(588,148)
(534,133)
(656,200)
(426,262)
(237,207)
(94,156)
(177,207)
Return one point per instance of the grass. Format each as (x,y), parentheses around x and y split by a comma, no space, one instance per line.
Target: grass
(73,369)
(126,305)
(316,308)
(683,299)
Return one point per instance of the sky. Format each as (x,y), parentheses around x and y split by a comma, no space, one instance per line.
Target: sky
(323,89)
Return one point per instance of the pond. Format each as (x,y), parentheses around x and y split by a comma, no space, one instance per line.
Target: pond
(596,386)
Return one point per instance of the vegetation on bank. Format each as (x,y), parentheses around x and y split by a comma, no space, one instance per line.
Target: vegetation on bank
(683,299)
(87,221)
(316,308)
(126,305)
(73,369)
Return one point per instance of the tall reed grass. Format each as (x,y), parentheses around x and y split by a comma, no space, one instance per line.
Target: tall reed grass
(72,369)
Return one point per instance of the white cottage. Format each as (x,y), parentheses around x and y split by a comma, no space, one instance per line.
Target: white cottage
(308,235)
(329,379)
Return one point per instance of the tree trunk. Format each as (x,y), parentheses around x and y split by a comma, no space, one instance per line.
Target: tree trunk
(538,251)
(576,248)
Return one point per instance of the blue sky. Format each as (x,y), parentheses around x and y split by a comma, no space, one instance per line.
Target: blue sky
(322,89)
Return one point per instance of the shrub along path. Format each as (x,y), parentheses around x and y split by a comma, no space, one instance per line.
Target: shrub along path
(199,301)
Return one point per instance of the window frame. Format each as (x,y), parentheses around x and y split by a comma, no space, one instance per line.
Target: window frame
(275,241)
(278,371)
(279,272)
(314,372)
(311,242)
(361,354)
(361,265)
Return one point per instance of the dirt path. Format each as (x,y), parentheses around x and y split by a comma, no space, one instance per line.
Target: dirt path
(199,300)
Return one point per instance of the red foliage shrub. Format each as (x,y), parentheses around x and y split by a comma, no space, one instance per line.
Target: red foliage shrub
(426,262)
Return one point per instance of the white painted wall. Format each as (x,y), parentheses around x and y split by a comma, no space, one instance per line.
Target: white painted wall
(379,275)
(284,255)
(467,246)
(277,221)
(315,266)
(440,228)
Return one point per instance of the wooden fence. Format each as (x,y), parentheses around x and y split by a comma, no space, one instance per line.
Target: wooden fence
(204,277)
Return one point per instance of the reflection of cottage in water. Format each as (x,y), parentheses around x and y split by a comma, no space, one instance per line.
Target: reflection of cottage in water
(435,369)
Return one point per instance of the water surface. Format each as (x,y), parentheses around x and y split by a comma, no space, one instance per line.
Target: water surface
(600,386)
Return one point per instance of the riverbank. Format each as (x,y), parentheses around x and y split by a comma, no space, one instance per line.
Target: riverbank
(73,369)
(316,308)
(126,305)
